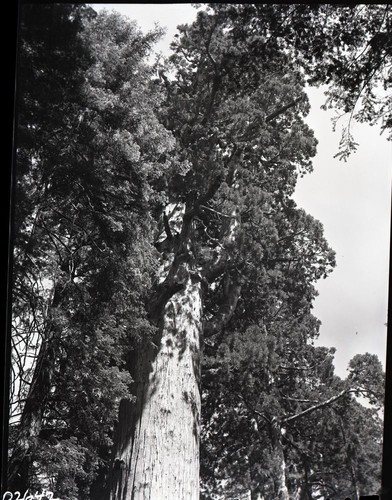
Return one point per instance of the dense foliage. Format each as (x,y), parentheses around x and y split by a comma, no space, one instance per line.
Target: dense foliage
(350,51)
(89,152)
(345,47)
(105,145)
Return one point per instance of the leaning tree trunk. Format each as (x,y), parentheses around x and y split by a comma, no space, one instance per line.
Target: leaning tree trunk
(157,443)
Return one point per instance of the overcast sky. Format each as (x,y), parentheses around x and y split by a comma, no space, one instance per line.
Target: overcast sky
(352,200)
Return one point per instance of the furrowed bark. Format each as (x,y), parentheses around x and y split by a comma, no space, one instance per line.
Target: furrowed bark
(158,436)
(282,491)
(156,453)
(157,442)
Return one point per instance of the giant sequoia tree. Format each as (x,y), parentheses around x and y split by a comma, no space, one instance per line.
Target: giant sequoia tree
(89,151)
(229,234)
(160,260)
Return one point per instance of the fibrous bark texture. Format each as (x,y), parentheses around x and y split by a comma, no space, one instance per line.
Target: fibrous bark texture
(282,491)
(157,456)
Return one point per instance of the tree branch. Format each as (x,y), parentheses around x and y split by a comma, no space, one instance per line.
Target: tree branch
(165,80)
(205,198)
(315,407)
(208,42)
(281,110)
(167,227)
(215,211)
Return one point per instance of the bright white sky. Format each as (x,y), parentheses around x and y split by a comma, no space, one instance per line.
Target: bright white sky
(352,200)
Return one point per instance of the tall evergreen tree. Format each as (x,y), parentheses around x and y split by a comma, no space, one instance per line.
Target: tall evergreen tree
(90,156)
(155,235)
(235,105)
(278,422)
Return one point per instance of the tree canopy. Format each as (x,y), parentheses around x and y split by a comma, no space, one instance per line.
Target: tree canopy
(346,47)
(86,163)
(138,185)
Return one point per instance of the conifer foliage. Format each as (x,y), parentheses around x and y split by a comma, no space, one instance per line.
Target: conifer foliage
(163,275)
(89,152)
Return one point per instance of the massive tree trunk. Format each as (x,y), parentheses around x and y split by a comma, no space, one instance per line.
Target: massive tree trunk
(157,450)
(280,479)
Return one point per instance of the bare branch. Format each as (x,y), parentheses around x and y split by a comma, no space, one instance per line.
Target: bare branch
(315,407)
